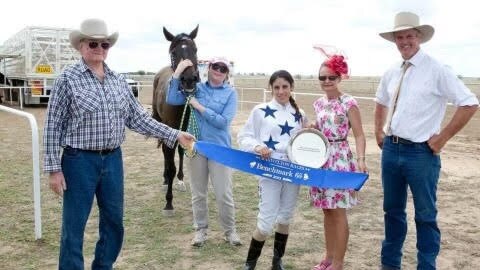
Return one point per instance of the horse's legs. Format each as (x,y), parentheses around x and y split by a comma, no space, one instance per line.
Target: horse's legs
(181,153)
(168,175)
(180,184)
(180,174)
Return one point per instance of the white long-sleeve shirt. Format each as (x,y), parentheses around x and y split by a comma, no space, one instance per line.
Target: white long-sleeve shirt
(426,88)
(271,124)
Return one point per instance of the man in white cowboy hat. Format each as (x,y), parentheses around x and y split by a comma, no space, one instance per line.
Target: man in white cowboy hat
(410,105)
(89,107)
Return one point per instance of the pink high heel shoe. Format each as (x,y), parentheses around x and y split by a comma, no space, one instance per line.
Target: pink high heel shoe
(330,267)
(323,265)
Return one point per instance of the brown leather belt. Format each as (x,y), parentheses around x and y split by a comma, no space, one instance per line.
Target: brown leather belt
(101,152)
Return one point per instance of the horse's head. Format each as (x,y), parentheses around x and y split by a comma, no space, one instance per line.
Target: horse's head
(182,46)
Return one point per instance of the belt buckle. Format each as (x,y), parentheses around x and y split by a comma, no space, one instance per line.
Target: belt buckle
(395,139)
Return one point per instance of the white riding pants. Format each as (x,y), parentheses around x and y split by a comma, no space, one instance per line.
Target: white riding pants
(278,200)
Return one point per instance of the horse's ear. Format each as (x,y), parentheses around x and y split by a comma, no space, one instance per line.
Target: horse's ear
(167,34)
(193,34)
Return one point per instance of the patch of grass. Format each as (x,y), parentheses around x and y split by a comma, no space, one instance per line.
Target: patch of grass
(153,241)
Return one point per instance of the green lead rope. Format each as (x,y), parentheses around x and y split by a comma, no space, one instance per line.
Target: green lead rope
(192,126)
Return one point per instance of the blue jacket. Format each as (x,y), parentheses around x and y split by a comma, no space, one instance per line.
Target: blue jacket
(220,108)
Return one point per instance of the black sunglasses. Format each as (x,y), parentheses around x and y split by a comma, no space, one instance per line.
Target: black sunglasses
(220,68)
(330,78)
(94,44)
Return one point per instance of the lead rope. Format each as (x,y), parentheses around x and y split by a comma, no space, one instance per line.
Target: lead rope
(192,126)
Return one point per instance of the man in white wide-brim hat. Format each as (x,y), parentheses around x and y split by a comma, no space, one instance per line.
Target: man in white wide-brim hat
(411,100)
(89,107)
(94,29)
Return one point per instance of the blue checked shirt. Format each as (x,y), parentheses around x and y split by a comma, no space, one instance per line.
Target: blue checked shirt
(88,114)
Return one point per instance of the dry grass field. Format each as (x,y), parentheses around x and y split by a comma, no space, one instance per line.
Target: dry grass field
(153,241)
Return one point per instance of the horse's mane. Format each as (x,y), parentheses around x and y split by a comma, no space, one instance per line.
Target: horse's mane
(159,85)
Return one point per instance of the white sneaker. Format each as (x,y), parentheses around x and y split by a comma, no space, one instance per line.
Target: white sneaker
(200,238)
(233,239)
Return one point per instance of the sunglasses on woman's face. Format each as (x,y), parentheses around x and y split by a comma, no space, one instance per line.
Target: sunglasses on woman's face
(220,68)
(94,45)
(330,78)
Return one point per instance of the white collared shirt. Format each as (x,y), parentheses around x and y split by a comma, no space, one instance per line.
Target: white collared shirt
(426,88)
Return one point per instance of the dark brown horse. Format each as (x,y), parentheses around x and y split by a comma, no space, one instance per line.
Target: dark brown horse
(182,46)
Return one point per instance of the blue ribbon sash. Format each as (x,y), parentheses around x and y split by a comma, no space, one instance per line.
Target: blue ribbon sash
(280,169)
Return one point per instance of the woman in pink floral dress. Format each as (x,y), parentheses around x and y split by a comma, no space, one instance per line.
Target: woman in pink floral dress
(336,113)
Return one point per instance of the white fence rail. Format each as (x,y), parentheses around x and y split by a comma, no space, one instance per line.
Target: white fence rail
(21,90)
(253,95)
(36,167)
(265,93)
(241,95)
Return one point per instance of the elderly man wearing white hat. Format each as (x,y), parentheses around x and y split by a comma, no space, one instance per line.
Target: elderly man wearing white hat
(88,110)
(411,100)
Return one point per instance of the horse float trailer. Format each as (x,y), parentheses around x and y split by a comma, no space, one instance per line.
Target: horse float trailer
(31,60)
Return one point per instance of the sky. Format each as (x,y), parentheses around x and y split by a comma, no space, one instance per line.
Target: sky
(263,36)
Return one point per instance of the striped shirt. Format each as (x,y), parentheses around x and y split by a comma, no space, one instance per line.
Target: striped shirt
(88,114)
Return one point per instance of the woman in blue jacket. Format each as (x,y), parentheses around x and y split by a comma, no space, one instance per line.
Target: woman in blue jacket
(214,104)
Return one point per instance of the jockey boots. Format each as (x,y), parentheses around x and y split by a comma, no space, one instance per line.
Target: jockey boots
(253,253)
(279,250)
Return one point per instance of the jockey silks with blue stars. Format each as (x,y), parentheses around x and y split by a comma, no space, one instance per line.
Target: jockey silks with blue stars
(273,125)
(267,132)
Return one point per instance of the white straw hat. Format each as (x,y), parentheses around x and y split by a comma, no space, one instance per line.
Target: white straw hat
(92,29)
(408,20)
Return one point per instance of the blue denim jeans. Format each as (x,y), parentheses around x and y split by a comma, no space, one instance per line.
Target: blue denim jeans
(410,165)
(89,174)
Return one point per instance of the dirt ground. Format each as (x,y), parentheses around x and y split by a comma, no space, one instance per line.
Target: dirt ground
(458,203)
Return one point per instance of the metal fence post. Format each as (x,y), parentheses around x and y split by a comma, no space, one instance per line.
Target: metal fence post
(36,168)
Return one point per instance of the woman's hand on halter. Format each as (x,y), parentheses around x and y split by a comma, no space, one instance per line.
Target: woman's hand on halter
(184,64)
(195,104)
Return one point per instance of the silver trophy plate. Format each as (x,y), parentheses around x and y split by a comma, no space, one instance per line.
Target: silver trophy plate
(309,147)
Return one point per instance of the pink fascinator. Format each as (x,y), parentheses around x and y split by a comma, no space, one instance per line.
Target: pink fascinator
(336,59)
